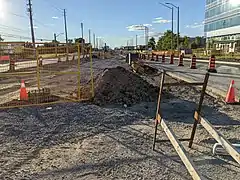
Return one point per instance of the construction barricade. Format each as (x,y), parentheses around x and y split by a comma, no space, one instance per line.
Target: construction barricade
(43,73)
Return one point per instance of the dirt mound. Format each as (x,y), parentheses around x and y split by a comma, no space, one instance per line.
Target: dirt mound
(120,86)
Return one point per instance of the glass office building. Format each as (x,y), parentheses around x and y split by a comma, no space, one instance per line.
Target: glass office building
(222,24)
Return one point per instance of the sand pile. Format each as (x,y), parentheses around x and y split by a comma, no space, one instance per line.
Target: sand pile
(120,86)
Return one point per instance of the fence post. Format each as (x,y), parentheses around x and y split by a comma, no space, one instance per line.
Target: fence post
(11,65)
(91,69)
(79,74)
(38,70)
(67,53)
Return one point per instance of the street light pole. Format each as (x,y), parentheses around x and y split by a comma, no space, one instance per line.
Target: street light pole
(178,24)
(171,8)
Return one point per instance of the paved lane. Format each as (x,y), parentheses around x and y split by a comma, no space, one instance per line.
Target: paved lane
(218,82)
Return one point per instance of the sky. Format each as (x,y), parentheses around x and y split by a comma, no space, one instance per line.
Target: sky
(111,20)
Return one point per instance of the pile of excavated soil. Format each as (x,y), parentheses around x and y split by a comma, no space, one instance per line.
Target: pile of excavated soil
(120,86)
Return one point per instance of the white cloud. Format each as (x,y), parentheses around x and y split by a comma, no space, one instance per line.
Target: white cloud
(148,25)
(195,25)
(55,17)
(160,20)
(138,27)
(155,34)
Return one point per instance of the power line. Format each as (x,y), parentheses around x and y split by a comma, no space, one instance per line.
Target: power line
(21,36)
(53,6)
(18,15)
(12,28)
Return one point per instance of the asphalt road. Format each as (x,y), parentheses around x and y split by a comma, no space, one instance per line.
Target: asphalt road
(218,82)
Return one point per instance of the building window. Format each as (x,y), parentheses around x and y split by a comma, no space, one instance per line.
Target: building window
(221,24)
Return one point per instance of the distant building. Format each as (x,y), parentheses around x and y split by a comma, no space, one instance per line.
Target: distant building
(222,24)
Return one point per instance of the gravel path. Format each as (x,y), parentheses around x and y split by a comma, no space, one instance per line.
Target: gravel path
(85,141)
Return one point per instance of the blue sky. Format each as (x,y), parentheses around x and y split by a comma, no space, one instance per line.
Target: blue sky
(108,19)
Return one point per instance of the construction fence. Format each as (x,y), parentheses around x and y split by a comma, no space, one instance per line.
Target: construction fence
(51,73)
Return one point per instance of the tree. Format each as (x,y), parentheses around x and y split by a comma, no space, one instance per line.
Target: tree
(198,41)
(186,42)
(79,40)
(193,45)
(165,42)
(159,44)
(152,43)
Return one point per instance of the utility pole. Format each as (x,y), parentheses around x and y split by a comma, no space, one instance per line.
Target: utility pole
(65,25)
(82,40)
(82,29)
(66,33)
(136,41)
(31,21)
(94,40)
(55,37)
(55,43)
(89,36)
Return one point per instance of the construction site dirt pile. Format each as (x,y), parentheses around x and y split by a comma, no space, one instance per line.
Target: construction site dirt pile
(120,86)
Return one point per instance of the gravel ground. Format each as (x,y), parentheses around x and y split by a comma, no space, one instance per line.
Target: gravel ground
(86,141)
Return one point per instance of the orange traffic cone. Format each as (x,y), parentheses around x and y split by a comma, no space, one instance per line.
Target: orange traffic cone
(23,92)
(230,98)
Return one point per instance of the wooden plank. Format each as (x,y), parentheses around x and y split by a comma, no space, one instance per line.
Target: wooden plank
(158,116)
(167,140)
(181,152)
(199,109)
(184,84)
(220,139)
